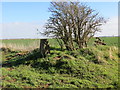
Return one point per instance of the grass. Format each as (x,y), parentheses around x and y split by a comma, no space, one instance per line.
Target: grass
(21,44)
(31,44)
(92,67)
(110,41)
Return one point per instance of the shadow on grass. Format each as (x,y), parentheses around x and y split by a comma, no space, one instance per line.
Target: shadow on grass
(29,58)
(16,61)
(35,60)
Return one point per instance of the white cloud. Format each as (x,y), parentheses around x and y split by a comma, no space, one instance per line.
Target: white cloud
(29,30)
(21,30)
(110,28)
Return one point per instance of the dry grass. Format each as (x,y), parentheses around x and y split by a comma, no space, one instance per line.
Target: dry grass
(20,47)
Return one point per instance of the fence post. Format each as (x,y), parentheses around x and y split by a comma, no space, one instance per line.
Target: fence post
(44,47)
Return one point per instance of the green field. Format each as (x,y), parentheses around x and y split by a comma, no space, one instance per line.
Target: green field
(110,41)
(30,44)
(91,67)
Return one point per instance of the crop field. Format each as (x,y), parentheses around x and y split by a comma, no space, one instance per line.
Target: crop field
(91,67)
(31,44)
(110,41)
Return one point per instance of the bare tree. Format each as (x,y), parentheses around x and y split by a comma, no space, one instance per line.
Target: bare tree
(73,22)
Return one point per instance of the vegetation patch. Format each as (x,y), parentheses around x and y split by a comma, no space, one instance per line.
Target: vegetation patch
(90,67)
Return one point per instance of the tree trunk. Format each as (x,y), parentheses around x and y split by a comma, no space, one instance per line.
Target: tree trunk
(44,47)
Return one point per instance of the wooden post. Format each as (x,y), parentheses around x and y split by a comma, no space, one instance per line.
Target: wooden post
(44,47)
(98,41)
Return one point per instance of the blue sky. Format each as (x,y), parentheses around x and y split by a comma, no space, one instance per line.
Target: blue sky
(106,9)
(25,11)
(18,18)
(36,11)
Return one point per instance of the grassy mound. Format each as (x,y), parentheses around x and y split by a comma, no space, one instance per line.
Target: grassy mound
(93,67)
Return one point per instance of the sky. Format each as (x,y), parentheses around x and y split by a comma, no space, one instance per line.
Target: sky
(22,19)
